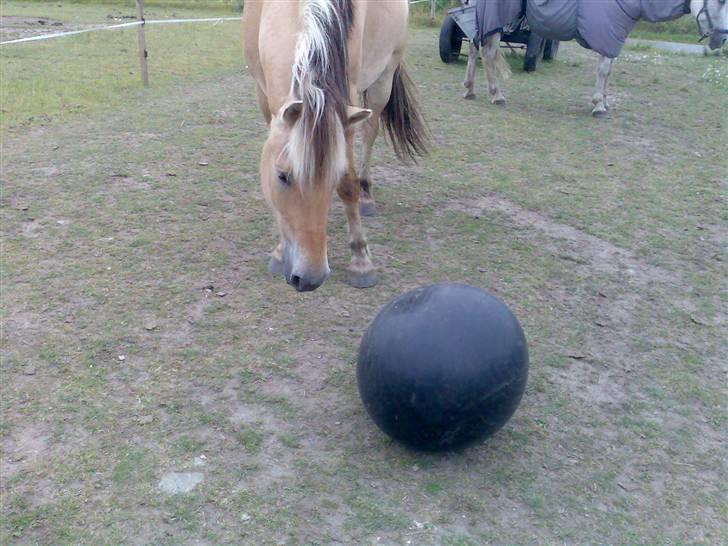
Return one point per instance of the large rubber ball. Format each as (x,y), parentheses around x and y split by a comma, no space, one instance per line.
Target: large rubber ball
(442,366)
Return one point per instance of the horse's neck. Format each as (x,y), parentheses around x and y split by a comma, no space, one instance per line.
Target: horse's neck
(279,28)
(278,81)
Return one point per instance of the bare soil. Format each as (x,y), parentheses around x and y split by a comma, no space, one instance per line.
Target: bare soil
(15,27)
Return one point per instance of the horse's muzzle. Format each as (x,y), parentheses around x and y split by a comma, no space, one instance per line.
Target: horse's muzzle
(717,38)
(303,279)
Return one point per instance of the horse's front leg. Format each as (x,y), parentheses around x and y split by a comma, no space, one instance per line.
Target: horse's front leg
(263,103)
(469,81)
(275,264)
(599,99)
(361,273)
(490,53)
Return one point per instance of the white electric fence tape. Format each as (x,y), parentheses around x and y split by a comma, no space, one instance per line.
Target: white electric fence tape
(133,24)
(122,25)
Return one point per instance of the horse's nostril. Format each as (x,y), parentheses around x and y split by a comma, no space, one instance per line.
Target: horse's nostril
(304,284)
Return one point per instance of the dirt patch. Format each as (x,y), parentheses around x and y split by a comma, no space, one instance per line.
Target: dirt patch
(572,245)
(14,28)
(24,448)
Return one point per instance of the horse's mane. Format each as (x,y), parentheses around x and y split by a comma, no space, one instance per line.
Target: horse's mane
(320,80)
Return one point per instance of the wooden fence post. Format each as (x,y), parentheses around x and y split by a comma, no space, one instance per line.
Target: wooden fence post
(433,5)
(142,43)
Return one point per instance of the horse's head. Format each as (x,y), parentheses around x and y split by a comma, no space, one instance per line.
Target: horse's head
(299,170)
(712,19)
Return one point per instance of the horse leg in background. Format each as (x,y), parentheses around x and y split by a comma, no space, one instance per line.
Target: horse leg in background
(491,55)
(360,272)
(375,98)
(263,103)
(599,99)
(470,72)
(369,132)
(275,265)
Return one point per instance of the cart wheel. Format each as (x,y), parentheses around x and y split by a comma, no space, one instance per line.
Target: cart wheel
(534,49)
(451,40)
(550,49)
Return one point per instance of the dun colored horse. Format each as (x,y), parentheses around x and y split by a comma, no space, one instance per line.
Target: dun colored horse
(321,68)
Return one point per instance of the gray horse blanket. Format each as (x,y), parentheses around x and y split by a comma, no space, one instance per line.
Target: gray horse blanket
(601,25)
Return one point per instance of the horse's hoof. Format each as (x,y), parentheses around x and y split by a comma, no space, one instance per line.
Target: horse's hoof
(469,95)
(367,208)
(361,280)
(500,101)
(275,267)
(599,112)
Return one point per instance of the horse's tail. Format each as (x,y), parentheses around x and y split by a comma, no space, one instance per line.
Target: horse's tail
(405,126)
(502,66)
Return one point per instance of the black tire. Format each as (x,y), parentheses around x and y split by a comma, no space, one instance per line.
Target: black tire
(534,50)
(451,40)
(550,49)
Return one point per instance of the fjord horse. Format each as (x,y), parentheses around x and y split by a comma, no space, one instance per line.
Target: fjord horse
(321,67)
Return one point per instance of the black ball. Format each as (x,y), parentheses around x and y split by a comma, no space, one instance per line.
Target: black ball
(442,366)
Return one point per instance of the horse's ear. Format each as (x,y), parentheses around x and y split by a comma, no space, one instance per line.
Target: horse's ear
(356,115)
(291,111)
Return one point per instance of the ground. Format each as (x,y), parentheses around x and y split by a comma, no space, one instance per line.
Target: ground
(142,335)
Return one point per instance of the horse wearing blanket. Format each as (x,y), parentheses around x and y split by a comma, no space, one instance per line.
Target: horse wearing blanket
(322,67)
(600,25)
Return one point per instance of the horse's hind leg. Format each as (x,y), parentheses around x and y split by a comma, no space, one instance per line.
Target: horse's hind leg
(489,52)
(369,132)
(469,82)
(599,99)
(360,272)
(376,99)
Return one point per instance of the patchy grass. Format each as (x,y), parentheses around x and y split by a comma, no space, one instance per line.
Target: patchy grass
(93,11)
(717,74)
(604,236)
(251,440)
(98,71)
(683,30)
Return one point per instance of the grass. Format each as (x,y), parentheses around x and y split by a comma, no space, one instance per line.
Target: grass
(63,83)
(53,516)
(289,440)
(133,464)
(683,29)
(604,236)
(91,11)
(252,440)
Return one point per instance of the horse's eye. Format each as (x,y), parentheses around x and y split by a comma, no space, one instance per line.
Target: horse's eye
(283,178)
